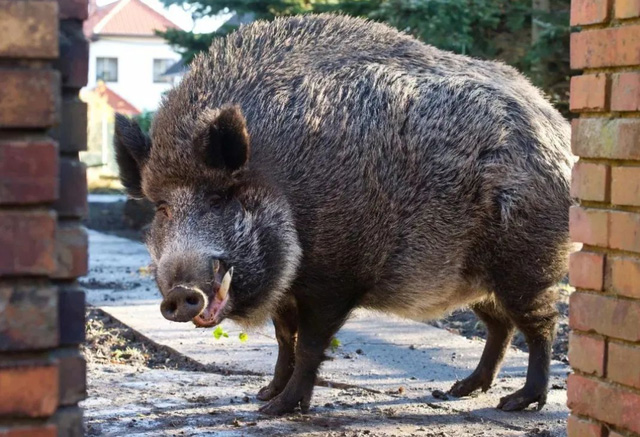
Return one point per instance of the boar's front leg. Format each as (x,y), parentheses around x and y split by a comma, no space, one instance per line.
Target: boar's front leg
(319,320)
(286,324)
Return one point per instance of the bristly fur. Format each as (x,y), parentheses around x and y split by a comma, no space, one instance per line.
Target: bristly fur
(383,173)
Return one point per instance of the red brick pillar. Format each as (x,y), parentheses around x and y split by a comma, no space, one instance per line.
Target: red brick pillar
(43,247)
(604,348)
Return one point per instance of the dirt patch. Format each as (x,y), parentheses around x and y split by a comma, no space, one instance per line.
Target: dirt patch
(465,322)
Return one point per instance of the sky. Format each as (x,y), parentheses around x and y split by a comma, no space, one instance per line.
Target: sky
(181,17)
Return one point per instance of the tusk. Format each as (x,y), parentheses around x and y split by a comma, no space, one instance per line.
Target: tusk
(226,283)
(216,265)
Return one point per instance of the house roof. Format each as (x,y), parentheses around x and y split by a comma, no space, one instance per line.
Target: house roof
(118,103)
(126,18)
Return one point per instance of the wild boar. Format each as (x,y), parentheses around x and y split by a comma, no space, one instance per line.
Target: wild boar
(311,165)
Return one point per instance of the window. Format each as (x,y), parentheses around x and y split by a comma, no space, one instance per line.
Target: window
(159,67)
(107,69)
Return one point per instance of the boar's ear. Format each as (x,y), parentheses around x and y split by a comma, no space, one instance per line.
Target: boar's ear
(224,140)
(132,150)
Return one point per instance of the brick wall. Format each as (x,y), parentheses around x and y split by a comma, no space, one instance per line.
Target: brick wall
(43,246)
(604,347)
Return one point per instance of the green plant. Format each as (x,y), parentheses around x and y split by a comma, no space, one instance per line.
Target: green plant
(144,120)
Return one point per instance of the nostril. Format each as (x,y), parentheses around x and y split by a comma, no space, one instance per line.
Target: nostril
(192,300)
(171,307)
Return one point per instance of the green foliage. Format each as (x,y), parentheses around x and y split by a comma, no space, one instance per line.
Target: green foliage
(144,120)
(243,337)
(335,344)
(489,29)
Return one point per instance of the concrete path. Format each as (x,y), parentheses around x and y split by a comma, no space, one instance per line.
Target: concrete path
(394,365)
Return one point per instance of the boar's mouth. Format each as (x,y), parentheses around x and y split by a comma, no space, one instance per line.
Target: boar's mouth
(213,311)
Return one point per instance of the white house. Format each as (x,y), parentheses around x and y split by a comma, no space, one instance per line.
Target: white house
(127,55)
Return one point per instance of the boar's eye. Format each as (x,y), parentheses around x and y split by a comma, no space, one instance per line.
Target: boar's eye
(163,208)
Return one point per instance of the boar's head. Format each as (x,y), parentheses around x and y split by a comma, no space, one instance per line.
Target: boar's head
(223,240)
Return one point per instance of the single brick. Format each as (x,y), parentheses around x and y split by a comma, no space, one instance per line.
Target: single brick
(72,202)
(71,133)
(30,391)
(72,370)
(625,92)
(72,245)
(27,239)
(589,226)
(625,276)
(623,364)
(589,181)
(624,231)
(586,353)
(69,422)
(577,427)
(73,62)
(30,98)
(627,9)
(589,12)
(604,402)
(606,138)
(29,315)
(606,315)
(29,172)
(610,47)
(71,315)
(625,186)
(30,431)
(73,9)
(588,92)
(29,29)
(586,270)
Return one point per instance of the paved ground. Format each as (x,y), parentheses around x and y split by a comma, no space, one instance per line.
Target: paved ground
(387,369)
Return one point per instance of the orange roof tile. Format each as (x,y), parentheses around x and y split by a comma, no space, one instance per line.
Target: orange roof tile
(126,18)
(114,100)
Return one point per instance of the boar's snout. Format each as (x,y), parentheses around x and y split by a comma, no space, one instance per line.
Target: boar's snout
(182,304)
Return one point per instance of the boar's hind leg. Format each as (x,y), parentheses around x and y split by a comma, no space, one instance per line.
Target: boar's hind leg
(499,334)
(535,316)
(286,324)
(318,321)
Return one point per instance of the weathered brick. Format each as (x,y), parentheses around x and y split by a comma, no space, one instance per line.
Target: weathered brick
(29,315)
(627,9)
(586,270)
(29,29)
(610,404)
(625,276)
(73,9)
(72,202)
(30,98)
(577,427)
(589,181)
(72,370)
(606,138)
(72,245)
(71,133)
(589,12)
(71,315)
(625,92)
(623,364)
(610,47)
(30,391)
(30,431)
(624,230)
(27,239)
(606,315)
(73,62)
(69,422)
(29,172)
(588,226)
(587,353)
(625,186)
(588,92)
